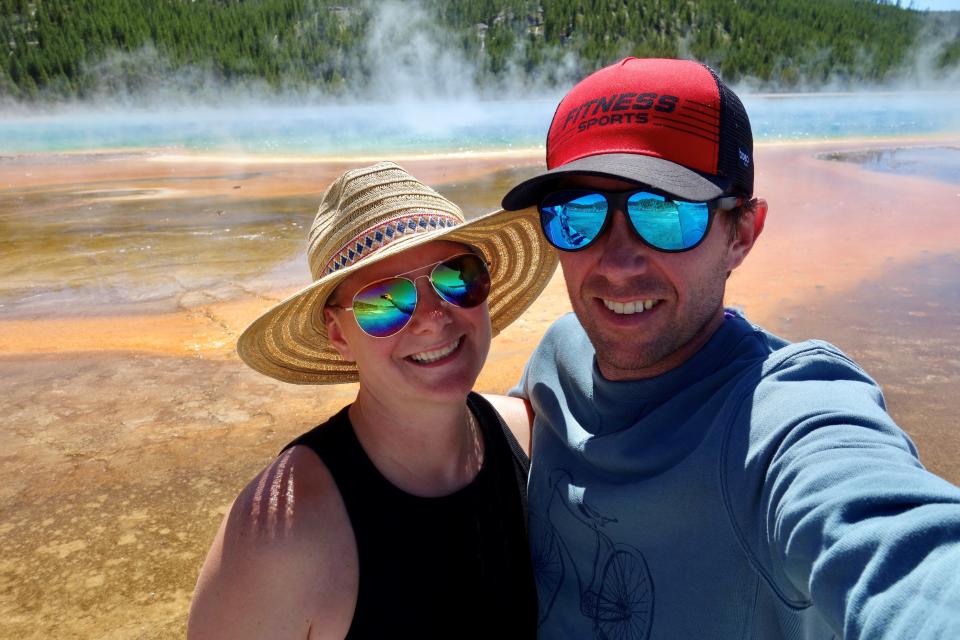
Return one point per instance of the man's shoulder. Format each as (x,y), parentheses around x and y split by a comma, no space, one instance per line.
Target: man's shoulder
(565,350)
(786,378)
(566,326)
(799,382)
(810,358)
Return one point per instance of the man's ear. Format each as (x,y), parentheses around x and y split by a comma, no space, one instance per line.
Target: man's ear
(749,228)
(335,334)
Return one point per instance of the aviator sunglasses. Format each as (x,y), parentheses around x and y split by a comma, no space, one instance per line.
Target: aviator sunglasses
(573,219)
(384,307)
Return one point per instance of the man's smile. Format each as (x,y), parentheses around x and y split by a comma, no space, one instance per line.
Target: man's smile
(630,307)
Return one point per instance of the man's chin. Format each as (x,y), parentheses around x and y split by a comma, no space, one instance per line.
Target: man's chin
(616,337)
(615,353)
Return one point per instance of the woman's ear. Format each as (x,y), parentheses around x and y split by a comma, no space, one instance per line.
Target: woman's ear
(749,228)
(336,335)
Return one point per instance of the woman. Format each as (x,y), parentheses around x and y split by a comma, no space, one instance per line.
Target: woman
(401,516)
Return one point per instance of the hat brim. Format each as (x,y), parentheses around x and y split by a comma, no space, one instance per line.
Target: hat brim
(661,174)
(289,342)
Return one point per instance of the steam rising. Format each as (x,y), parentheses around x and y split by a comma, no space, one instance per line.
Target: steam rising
(413,89)
(412,59)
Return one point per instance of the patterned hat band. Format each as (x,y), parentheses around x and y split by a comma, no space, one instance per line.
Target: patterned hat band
(371,240)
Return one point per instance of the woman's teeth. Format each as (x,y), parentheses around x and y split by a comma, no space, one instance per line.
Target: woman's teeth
(637,306)
(436,354)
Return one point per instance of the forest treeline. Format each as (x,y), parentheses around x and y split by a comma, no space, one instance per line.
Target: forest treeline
(57,50)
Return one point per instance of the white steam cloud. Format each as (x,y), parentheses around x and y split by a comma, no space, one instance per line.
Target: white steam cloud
(412,59)
(408,57)
(410,84)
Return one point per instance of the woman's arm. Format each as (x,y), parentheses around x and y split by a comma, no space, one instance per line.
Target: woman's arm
(518,415)
(284,562)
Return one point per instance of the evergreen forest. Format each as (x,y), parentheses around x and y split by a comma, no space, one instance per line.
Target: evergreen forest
(62,50)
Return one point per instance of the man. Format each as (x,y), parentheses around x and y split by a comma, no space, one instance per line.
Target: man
(693,475)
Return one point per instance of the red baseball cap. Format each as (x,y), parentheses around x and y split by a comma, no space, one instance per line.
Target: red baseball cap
(669,124)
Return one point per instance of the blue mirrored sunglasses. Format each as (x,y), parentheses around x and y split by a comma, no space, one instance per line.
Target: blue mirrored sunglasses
(573,219)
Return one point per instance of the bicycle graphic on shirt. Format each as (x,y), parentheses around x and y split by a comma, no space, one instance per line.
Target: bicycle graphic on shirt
(616,593)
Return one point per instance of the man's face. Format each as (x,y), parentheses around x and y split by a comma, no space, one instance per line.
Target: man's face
(680,294)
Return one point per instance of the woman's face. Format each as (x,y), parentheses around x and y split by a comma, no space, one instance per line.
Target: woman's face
(438,354)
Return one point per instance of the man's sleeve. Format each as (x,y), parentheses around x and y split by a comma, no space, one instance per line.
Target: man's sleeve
(846,518)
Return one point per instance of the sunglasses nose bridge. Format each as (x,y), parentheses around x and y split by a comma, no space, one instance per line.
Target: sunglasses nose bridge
(621,225)
(616,215)
(617,225)
(432,311)
(616,202)
(622,253)
(428,291)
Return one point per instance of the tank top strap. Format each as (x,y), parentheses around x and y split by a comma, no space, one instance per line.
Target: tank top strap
(357,478)
(498,434)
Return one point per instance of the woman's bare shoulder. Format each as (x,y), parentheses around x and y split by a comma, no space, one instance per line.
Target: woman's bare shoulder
(284,562)
(518,415)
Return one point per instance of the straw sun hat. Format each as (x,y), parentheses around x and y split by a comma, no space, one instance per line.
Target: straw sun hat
(371,214)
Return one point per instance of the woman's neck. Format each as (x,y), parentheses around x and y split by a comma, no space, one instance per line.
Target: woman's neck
(425,448)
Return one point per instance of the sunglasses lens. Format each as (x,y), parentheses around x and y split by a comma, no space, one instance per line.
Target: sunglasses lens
(666,224)
(462,280)
(572,219)
(384,308)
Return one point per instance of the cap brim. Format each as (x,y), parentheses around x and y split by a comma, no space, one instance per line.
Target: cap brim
(655,172)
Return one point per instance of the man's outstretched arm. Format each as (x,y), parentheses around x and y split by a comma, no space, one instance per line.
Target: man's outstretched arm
(848,518)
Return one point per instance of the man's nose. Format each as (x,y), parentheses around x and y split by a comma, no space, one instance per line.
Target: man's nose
(621,249)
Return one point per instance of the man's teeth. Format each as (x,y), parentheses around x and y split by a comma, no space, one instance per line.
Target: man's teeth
(433,356)
(636,306)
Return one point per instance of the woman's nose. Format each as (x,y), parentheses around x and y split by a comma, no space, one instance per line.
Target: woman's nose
(432,312)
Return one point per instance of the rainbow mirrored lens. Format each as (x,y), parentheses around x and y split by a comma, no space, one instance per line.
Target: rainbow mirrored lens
(385,307)
(463,281)
(572,220)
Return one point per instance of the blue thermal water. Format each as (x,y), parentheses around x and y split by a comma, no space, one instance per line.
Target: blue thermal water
(437,126)
(814,116)
(322,130)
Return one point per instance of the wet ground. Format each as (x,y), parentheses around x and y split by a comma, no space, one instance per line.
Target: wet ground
(117,472)
(153,244)
(130,425)
(903,329)
(941,163)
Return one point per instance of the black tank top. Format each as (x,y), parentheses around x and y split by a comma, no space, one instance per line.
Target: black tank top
(456,566)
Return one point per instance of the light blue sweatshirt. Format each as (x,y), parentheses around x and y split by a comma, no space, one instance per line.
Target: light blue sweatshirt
(760,490)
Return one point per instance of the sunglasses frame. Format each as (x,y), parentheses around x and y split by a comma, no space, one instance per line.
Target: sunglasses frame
(402,276)
(617,201)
